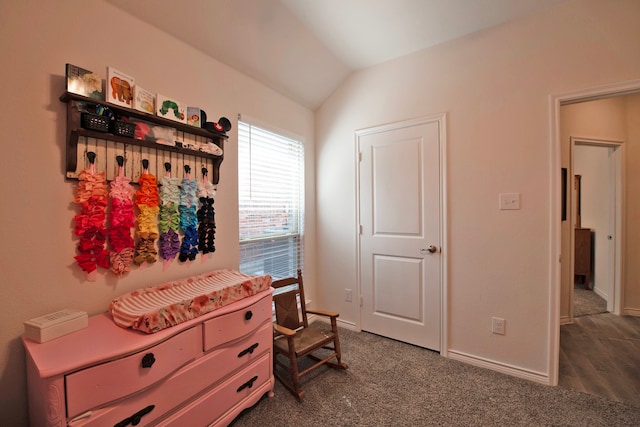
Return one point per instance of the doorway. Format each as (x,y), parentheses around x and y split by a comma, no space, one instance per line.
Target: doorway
(596,212)
(560,253)
(400,241)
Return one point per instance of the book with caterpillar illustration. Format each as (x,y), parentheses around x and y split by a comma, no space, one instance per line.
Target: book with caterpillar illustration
(170,109)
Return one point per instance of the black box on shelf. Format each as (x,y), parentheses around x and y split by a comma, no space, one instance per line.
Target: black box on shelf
(122,128)
(95,122)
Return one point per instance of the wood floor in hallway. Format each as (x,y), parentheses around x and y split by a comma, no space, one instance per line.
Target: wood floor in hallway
(600,354)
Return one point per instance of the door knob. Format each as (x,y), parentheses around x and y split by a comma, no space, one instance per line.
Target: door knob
(431,249)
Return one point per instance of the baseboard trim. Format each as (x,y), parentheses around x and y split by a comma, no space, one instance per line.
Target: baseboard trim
(504,368)
(341,323)
(347,325)
(600,293)
(635,312)
(565,320)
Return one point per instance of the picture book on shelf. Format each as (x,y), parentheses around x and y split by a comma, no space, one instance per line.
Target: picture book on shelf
(143,100)
(83,82)
(193,116)
(119,88)
(170,109)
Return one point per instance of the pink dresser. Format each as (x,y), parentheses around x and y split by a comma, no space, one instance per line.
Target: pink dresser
(201,372)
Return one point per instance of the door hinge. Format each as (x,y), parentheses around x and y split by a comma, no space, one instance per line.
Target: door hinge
(361,301)
(360,229)
(360,156)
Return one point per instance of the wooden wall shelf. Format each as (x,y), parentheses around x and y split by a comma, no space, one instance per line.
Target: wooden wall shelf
(110,145)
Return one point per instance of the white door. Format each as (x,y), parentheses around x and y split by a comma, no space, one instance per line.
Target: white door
(400,231)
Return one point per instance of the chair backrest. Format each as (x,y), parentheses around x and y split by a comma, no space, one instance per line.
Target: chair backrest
(288,298)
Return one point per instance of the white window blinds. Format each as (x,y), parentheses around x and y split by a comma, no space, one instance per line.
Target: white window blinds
(271,202)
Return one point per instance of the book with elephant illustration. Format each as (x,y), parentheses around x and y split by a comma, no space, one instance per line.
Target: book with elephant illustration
(119,88)
(170,109)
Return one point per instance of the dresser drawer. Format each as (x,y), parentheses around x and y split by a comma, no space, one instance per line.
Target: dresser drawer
(98,385)
(241,353)
(236,324)
(225,397)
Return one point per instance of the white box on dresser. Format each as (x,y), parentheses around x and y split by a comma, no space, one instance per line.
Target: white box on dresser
(54,325)
(201,372)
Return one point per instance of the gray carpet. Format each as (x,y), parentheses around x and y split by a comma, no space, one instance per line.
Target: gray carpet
(587,302)
(390,383)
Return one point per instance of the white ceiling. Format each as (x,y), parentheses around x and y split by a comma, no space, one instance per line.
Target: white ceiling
(305,48)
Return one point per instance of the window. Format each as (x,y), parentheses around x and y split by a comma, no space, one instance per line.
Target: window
(271,202)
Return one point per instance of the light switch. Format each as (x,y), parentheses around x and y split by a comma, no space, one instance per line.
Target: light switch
(509,201)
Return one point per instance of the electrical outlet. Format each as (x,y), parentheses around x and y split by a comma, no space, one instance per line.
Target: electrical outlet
(509,201)
(348,295)
(498,325)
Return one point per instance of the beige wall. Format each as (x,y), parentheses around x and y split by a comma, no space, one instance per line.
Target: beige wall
(37,272)
(494,87)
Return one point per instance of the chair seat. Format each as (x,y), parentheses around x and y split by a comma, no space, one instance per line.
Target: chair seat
(305,340)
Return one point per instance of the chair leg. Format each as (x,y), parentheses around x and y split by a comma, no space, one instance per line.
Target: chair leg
(295,377)
(336,344)
(292,382)
(340,364)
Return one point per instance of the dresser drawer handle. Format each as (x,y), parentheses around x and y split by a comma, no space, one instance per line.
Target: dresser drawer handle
(248,315)
(148,360)
(249,350)
(135,419)
(248,384)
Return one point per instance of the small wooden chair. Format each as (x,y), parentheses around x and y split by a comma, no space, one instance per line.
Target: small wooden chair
(294,339)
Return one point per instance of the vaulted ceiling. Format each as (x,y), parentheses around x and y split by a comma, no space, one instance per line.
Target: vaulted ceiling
(304,49)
